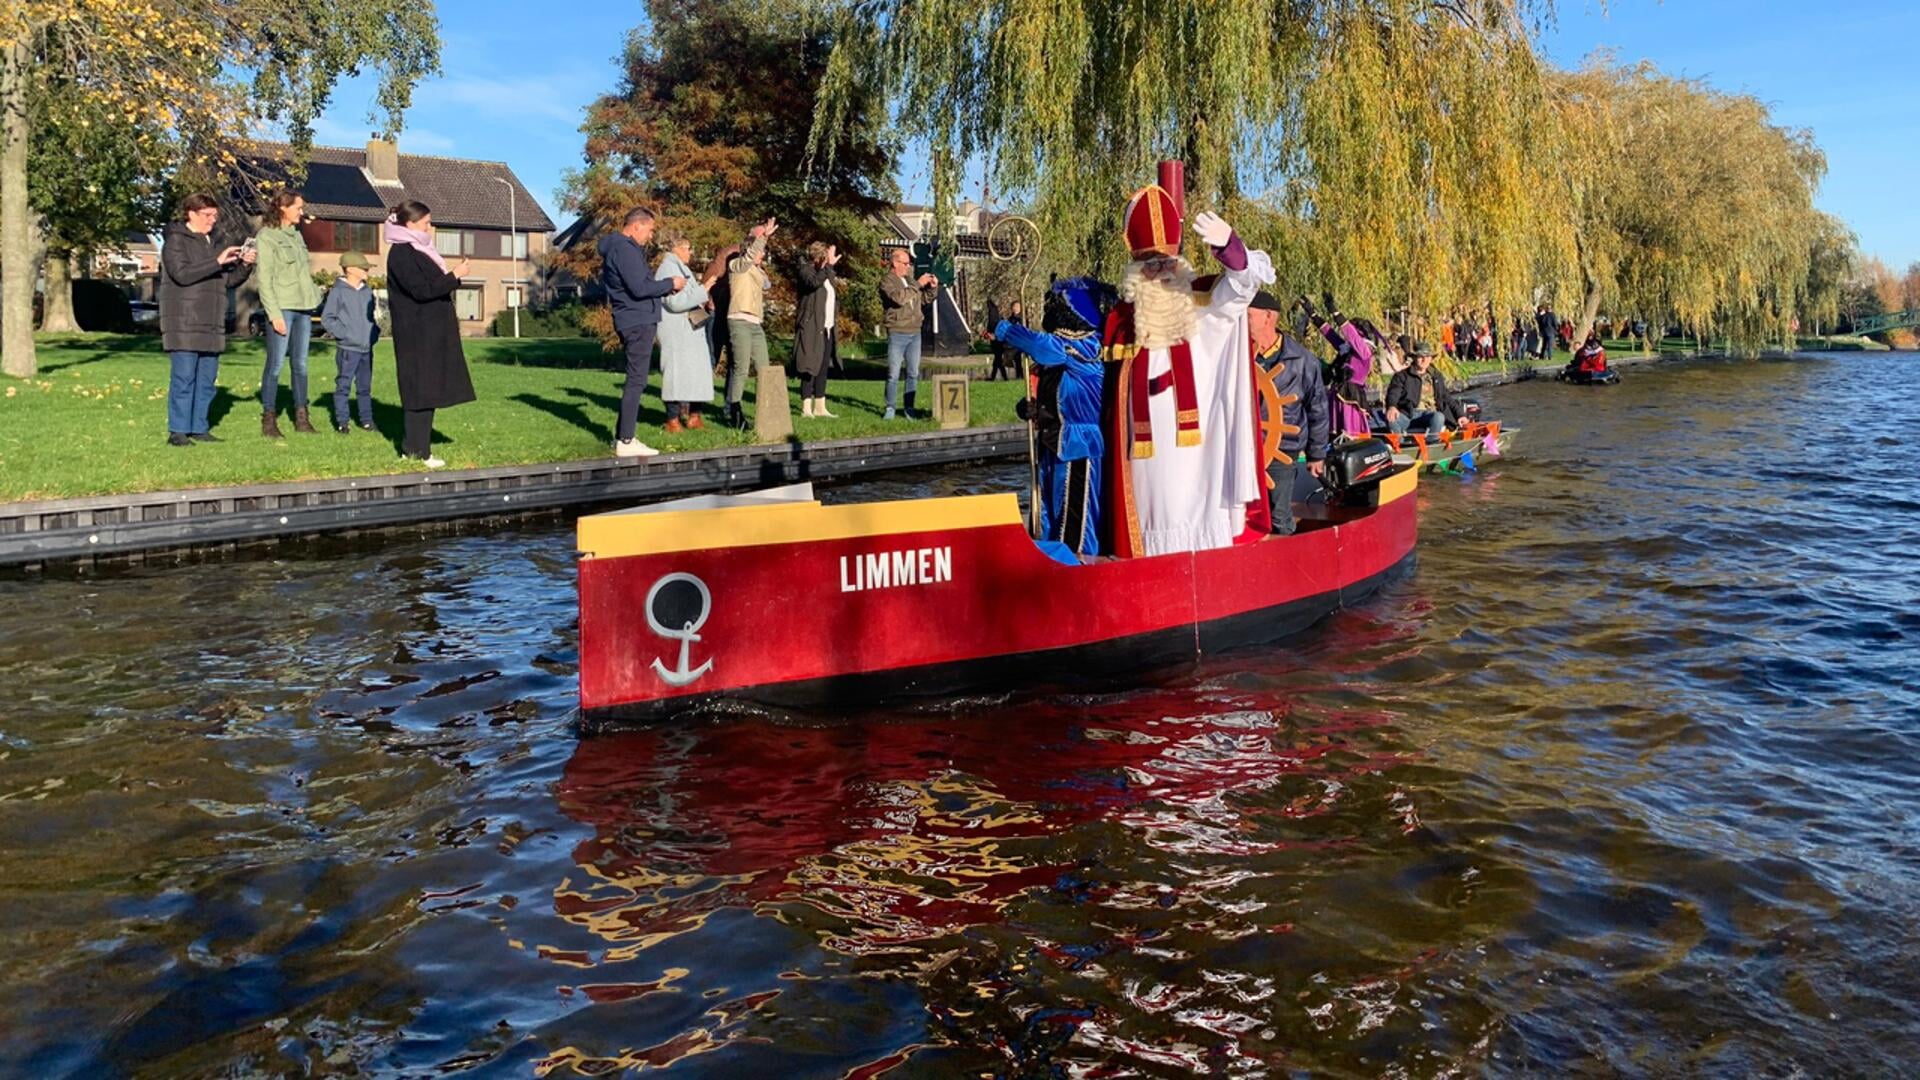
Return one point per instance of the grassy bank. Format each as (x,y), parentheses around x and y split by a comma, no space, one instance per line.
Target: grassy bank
(94,420)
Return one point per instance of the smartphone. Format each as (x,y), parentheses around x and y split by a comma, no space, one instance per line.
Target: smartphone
(251,243)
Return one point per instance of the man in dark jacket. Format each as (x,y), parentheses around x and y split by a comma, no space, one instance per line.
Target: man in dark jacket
(635,297)
(1418,397)
(1293,371)
(195,273)
(1547,325)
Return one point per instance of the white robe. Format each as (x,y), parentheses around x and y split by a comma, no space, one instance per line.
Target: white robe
(1189,498)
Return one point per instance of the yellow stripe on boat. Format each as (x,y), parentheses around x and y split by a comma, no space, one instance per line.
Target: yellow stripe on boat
(609,536)
(1398,485)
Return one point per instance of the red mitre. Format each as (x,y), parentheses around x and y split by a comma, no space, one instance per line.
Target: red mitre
(1153,224)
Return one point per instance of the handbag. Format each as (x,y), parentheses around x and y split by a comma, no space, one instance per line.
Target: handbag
(698,317)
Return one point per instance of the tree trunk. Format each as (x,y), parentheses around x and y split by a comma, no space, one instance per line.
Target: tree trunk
(57,316)
(1589,310)
(16,266)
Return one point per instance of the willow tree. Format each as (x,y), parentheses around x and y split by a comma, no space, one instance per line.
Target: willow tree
(1418,164)
(1701,208)
(1378,147)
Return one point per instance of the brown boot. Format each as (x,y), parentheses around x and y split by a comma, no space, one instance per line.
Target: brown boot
(301,423)
(695,422)
(270,426)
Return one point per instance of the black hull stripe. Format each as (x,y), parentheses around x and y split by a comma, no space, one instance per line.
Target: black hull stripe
(1099,665)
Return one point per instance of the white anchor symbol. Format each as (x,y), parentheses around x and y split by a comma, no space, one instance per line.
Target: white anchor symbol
(685,635)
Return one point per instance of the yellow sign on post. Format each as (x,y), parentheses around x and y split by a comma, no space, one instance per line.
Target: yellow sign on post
(951,400)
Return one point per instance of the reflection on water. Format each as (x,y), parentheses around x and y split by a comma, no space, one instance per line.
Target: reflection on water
(1620,780)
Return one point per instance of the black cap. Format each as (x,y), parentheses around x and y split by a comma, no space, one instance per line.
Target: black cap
(1264,301)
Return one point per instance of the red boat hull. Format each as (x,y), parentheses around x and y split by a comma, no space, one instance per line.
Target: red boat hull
(814,607)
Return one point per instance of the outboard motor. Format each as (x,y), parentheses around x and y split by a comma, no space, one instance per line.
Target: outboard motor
(1354,470)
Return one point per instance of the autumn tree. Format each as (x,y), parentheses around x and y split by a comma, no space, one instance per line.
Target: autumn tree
(201,71)
(94,178)
(1707,217)
(710,127)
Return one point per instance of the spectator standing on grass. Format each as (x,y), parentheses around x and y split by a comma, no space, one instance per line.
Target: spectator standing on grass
(686,367)
(714,277)
(427,356)
(818,308)
(634,294)
(195,274)
(905,299)
(289,297)
(747,285)
(347,316)
(1005,358)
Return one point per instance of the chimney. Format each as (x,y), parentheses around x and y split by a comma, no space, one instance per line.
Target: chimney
(383,161)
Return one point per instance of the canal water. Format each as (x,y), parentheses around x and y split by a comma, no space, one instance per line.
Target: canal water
(1621,779)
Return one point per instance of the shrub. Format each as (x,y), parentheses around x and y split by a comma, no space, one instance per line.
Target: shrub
(567,320)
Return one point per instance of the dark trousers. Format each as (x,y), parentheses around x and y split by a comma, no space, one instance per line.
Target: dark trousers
(355,373)
(417,441)
(814,385)
(1291,484)
(1003,361)
(638,342)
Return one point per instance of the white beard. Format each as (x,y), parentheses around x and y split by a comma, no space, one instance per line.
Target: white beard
(1163,311)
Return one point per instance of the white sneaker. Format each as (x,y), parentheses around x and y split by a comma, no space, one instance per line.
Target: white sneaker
(434,463)
(632,448)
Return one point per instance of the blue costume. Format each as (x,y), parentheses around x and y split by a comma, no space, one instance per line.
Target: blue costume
(1071,441)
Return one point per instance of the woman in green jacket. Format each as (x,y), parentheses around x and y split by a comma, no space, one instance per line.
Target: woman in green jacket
(289,297)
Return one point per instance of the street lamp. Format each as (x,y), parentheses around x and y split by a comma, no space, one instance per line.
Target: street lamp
(513,249)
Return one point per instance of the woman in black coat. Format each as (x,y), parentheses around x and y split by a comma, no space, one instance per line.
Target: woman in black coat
(426,332)
(816,309)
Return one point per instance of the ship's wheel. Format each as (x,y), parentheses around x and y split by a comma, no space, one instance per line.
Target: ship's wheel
(1275,428)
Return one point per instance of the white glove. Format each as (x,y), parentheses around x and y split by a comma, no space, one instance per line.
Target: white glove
(1213,229)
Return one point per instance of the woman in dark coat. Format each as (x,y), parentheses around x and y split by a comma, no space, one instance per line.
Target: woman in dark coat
(195,273)
(815,310)
(426,332)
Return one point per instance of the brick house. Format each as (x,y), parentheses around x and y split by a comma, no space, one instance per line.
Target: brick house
(348,192)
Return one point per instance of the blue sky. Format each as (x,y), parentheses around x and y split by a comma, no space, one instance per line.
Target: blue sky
(514,87)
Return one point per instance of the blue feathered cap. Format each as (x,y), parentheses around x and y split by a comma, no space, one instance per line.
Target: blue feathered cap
(1078,304)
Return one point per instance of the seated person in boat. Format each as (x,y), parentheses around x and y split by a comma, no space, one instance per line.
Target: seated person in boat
(1183,461)
(1418,398)
(1590,358)
(1294,374)
(1066,408)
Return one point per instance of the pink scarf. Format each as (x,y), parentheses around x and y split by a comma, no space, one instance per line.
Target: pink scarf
(398,235)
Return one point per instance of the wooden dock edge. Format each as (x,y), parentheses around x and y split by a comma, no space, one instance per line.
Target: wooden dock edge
(103,526)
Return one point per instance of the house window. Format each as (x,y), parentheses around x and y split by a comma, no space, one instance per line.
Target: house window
(334,236)
(516,294)
(452,242)
(513,245)
(466,303)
